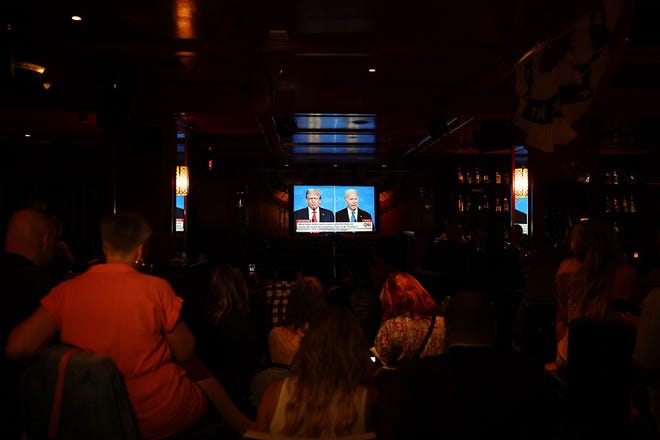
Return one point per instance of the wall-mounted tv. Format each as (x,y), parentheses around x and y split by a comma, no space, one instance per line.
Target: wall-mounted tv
(333,209)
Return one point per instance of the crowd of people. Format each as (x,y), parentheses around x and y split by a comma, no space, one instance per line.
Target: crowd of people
(385,349)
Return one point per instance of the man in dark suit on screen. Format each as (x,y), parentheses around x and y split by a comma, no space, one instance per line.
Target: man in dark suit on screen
(313,212)
(352,213)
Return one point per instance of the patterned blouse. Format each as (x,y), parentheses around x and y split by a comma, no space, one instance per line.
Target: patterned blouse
(400,337)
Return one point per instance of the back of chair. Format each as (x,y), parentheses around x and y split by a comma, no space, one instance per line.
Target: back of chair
(73,394)
(600,353)
(535,330)
(599,372)
(256,435)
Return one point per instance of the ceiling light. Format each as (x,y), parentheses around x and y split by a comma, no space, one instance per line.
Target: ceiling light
(372,70)
(76,18)
(28,135)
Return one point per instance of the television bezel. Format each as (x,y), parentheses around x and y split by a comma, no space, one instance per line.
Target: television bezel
(375,212)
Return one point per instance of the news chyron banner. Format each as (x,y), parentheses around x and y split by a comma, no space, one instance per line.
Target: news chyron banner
(308,226)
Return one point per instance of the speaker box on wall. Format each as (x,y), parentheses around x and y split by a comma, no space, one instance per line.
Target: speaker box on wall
(494,135)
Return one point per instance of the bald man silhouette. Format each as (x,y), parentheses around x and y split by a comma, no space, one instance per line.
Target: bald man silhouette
(24,280)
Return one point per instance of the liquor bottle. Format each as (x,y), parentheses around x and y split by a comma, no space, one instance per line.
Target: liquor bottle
(505,205)
(468,177)
(477,176)
(485,177)
(498,177)
(624,203)
(461,204)
(633,204)
(615,177)
(615,205)
(608,178)
(498,207)
(461,179)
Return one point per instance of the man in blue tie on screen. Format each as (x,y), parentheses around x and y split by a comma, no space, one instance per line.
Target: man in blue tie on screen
(352,213)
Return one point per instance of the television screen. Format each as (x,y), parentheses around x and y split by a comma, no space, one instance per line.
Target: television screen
(333,209)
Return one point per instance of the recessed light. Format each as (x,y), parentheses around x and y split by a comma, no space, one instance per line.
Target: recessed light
(28,135)
(76,18)
(335,165)
(372,70)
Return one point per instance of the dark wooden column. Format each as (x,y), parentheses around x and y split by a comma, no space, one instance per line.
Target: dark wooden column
(145,166)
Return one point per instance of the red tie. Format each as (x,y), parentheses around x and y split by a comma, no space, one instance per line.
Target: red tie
(314,219)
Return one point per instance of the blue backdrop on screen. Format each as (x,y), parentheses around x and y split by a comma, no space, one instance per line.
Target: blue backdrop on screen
(327,197)
(365,194)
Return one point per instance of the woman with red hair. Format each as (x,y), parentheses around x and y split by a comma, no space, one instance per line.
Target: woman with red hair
(411,326)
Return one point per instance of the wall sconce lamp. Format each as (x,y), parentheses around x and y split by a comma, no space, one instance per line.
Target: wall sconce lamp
(521,182)
(182,180)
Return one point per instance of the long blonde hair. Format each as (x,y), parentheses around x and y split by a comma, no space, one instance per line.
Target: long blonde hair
(329,366)
(594,243)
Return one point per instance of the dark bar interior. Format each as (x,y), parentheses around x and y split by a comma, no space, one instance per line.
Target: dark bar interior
(479,137)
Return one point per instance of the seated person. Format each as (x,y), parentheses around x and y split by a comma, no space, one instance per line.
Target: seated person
(229,337)
(591,283)
(411,326)
(325,394)
(30,242)
(473,391)
(134,319)
(646,355)
(307,299)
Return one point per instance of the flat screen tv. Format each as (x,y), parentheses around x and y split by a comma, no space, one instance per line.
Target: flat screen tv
(333,209)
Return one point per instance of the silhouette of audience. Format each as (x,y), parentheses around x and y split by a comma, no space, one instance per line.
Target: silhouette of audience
(28,252)
(135,319)
(411,325)
(229,340)
(306,301)
(327,392)
(472,391)
(592,281)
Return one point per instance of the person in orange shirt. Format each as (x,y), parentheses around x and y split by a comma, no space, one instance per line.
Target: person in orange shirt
(135,319)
